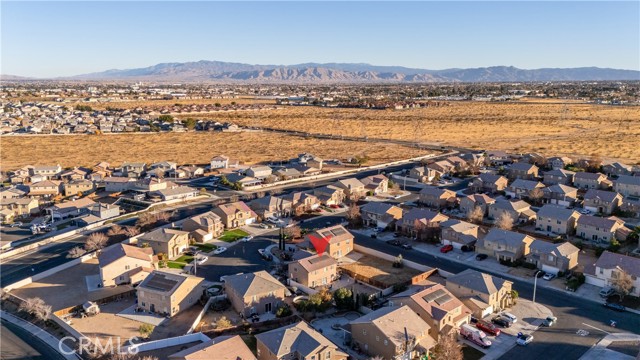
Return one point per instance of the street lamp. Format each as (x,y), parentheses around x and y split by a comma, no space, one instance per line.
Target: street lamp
(535,283)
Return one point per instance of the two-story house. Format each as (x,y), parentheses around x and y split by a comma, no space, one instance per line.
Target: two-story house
(254,293)
(133,170)
(46,188)
(339,240)
(470,202)
(235,214)
(521,189)
(609,267)
(48,172)
(482,293)
(354,189)
(125,264)
(627,185)
(379,214)
(557,219)
(204,227)
(296,341)
(434,304)
(602,202)
(70,209)
(518,210)
(314,270)
(376,184)
(384,333)
(118,184)
(169,293)
(553,258)
(270,206)
(417,220)
(225,347)
(616,169)
(165,241)
(301,202)
(437,198)
(585,180)
(458,233)
(219,162)
(560,194)
(329,195)
(559,162)
(597,229)
(559,176)
(504,245)
(423,174)
(75,187)
(260,172)
(489,183)
(522,170)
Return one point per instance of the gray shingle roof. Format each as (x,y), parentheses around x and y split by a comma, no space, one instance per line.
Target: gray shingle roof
(393,320)
(609,260)
(161,235)
(556,212)
(513,205)
(257,283)
(594,194)
(475,280)
(628,180)
(297,338)
(606,223)
(510,238)
(560,250)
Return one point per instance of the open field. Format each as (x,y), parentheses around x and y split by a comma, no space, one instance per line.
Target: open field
(611,132)
(183,148)
(130,104)
(380,270)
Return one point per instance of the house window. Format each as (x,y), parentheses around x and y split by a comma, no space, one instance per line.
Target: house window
(364,332)
(127,267)
(601,271)
(328,355)
(377,338)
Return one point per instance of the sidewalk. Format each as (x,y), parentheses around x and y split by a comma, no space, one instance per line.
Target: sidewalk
(44,336)
(600,350)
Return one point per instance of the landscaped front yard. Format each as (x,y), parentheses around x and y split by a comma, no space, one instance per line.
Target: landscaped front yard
(180,262)
(205,247)
(233,235)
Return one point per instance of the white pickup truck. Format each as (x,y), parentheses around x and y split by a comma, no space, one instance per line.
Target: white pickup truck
(475,335)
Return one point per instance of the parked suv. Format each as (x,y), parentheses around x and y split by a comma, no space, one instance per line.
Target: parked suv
(606,292)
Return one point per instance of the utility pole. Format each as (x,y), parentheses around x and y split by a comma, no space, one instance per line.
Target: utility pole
(535,284)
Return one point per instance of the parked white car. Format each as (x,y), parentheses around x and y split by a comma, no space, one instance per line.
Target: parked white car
(246,238)
(219,250)
(510,316)
(201,259)
(548,276)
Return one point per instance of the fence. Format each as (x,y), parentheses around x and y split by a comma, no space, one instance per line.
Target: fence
(384,256)
(204,310)
(305,289)
(165,343)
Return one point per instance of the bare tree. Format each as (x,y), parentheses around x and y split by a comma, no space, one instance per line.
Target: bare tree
(96,241)
(76,252)
(622,283)
(159,173)
(36,307)
(353,215)
(275,192)
(475,215)
(260,194)
(163,216)
(293,232)
(234,198)
(536,195)
(132,231)
(505,221)
(447,348)
(222,323)
(115,230)
(145,219)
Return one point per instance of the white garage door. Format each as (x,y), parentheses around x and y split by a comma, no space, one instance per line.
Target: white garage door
(594,281)
(487,311)
(550,269)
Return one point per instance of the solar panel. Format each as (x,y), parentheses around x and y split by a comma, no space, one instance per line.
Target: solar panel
(161,283)
(439,296)
(338,231)
(443,299)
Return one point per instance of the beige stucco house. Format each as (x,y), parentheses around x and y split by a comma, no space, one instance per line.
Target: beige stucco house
(165,241)
(296,342)
(504,245)
(553,258)
(340,240)
(437,198)
(314,270)
(482,293)
(235,214)
(125,264)
(204,227)
(169,293)
(556,219)
(254,293)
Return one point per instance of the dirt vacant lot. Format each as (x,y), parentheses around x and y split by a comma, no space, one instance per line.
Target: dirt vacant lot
(183,148)
(573,129)
(380,270)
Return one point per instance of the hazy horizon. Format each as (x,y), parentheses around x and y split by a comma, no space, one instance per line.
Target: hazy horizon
(58,39)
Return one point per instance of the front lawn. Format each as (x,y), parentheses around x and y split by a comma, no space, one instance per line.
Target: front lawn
(233,235)
(205,247)
(184,259)
(176,265)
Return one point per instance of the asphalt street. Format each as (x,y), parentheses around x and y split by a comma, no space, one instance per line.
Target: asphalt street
(19,344)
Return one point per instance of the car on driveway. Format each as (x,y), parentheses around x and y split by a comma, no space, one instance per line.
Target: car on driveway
(406,246)
(510,316)
(201,260)
(524,339)
(445,249)
(548,276)
(606,292)
(488,328)
(219,250)
(549,321)
(539,274)
(481,257)
(16,224)
(246,238)
(614,306)
(500,321)
(584,211)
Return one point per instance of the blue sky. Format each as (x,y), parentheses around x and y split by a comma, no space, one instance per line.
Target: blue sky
(67,38)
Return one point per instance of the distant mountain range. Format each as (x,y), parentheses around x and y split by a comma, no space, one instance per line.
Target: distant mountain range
(217,71)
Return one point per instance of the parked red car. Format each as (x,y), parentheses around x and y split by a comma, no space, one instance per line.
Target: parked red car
(488,327)
(334,206)
(446,248)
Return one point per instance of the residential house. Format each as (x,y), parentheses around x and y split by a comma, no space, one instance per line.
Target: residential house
(442,167)
(49,172)
(616,169)
(307,170)
(469,203)
(519,210)
(162,167)
(498,158)
(504,245)
(104,210)
(165,241)
(609,268)
(419,222)
(489,183)
(315,162)
(236,178)
(533,158)
(152,184)
(423,174)
(219,162)
(70,209)
(631,205)
(19,207)
(296,341)
(522,189)
(259,172)
(100,171)
(553,258)
(560,194)
(437,198)
(597,229)
(602,202)
(47,188)
(125,264)
(254,293)
(271,206)
(175,193)
(169,293)
(459,164)
(354,190)
(235,214)
(559,162)
(75,187)
(301,202)
(74,174)
(585,180)
(458,233)
(134,170)
(376,184)
(379,214)
(11,193)
(329,195)
(204,227)
(118,184)
(557,219)
(522,170)
(340,240)
(474,160)
(627,185)
(560,176)
(287,173)
(384,333)
(482,293)
(436,305)
(226,347)
(314,270)
(190,171)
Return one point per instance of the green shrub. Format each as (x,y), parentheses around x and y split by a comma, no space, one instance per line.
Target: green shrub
(283,311)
